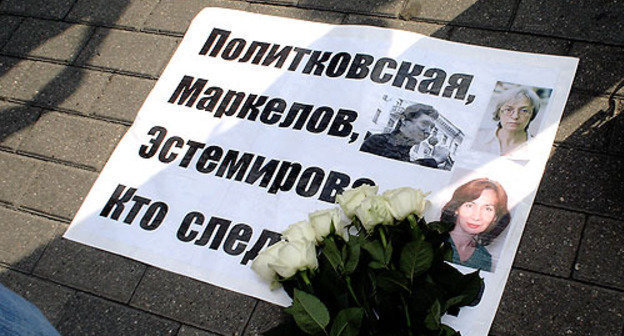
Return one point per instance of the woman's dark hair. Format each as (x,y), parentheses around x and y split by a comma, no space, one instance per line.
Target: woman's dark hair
(469,192)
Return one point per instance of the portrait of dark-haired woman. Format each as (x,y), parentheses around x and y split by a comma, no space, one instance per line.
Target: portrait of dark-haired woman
(479,210)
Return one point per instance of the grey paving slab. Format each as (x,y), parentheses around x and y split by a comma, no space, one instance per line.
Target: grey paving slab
(62,87)
(88,315)
(48,39)
(298,13)
(54,9)
(56,189)
(15,122)
(73,138)
(15,172)
(510,41)
(583,124)
(473,13)
(11,69)
(124,13)
(537,305)
(599,21)
(616,143)
(127,51)
(429,29)
(190,331)
(583,181)
(264,317)
(122,97)
(50,298)
(380,7)
(23,238)
(170,16)
(601,257)
(600,68)
(193,302)
(8,24)
(89,269)
(550,240)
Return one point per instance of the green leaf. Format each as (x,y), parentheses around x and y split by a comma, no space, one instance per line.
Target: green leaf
(473,285)
(447,253)
(432,320)
(416,258)
(375,250)
(441,227)
(416,232)
(392,281)
(387,253)
(330,251)
(288,328)
(454,301)
(309,313)
(351,256)
(448,331)
(347,322)
(376,265)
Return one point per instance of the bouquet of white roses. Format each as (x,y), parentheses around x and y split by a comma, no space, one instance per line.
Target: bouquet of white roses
(371,267)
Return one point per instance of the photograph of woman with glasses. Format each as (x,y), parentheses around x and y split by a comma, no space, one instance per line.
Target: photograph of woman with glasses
(516,107)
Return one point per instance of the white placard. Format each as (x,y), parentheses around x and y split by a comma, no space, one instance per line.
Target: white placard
(259,120)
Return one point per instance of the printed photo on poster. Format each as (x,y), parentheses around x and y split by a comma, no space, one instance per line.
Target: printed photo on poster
(480,210)
(413,132)
(512,119)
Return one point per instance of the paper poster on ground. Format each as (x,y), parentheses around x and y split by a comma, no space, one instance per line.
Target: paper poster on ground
(257,121)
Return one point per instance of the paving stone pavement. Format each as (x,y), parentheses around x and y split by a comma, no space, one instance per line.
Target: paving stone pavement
(64,62)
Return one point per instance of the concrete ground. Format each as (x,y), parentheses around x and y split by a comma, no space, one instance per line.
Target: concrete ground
(64,63)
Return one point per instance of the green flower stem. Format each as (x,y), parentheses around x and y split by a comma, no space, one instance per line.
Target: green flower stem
(348,279)
(412,220)
(407,317)
(384,242)
(304,276)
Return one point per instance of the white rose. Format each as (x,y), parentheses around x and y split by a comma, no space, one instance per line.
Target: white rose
(294,256)
(404,201)
(260,265)
(299,231)
(349,200)
(374,210)
(322,221)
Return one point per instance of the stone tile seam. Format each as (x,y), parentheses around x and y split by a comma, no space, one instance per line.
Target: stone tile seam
(604,154)
(577,211)
(577,253)
(12,207)
(422,20)
(55,160)
(78,290)
(137,285)
(571,280)
(70,9)
(250,317)
(337,11)
(42,158)
(11,33)
(187,325)
(85,42)
(88,67)
(75,113)
(43,214)
(514,15)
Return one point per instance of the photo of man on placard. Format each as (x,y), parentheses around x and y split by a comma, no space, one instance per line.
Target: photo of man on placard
(413,132)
